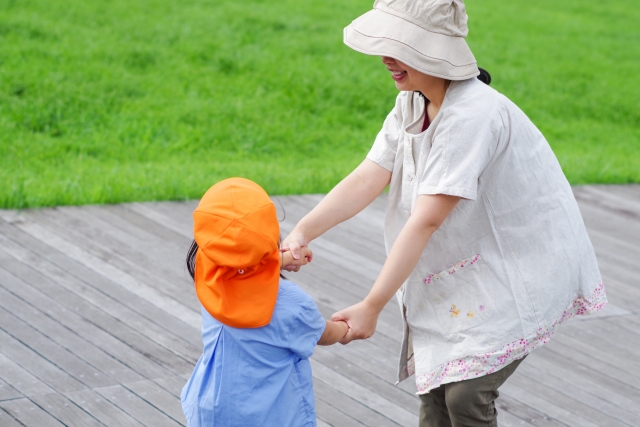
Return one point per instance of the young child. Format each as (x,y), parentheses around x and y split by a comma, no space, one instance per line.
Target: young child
(258,329)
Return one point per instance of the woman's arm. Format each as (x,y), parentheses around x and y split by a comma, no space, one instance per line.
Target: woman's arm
(428,214)
(349,197)
(333,332)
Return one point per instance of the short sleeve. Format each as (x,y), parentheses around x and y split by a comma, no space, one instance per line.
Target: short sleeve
(383,151)
(306,328)
(463,145)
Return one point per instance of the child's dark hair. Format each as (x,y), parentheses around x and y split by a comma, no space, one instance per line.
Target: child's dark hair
(191,260)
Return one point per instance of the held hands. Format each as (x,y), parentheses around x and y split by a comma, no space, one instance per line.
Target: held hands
(361,318)
(298,250)
(291,264)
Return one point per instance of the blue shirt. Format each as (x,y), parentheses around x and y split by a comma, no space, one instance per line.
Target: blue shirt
(260,376)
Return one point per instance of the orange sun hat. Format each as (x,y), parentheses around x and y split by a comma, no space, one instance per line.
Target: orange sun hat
(238,261)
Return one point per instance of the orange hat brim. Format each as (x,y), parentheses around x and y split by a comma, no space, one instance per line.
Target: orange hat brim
(238,298)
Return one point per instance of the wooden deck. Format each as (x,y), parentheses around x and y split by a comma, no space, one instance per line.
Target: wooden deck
(99,325)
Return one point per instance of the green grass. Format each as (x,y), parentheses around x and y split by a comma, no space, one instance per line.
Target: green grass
(112,101)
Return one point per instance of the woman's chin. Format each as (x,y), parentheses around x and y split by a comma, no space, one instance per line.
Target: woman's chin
(402,87)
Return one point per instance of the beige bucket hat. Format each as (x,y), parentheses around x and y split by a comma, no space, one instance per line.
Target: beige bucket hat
(427,35)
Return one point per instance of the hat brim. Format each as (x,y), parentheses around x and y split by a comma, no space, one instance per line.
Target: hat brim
(382,34)
(237,299)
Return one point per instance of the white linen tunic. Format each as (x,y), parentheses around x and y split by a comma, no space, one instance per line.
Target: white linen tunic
(511,261)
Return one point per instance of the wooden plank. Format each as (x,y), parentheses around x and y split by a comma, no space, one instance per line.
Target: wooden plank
(49,326)
(6,391)
(585,341)
(368,359)
(333,417)
(614,339)
(136,407)
(520,414)
(102,244)
(345,404)
(28,413)
(182,228)
(124,331)
(630,191)
(21,379)
(65,411)
(122,278)
(361,394)
(101,291)
(41,368)
(53,352)
(168,249)
(159,398)
(320,423)
(6,420)
(579,414)
(507,419)
(353,370)
(630,324)
(130,216)
(101,409)
(563,348)
(522,390)
(583,381)
(173,384)
(142,270)
(610,199)
(75,292)
(599,217)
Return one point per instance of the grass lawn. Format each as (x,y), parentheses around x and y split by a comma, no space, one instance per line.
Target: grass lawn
(111,101)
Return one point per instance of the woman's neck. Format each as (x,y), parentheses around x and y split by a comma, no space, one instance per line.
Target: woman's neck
(435,91)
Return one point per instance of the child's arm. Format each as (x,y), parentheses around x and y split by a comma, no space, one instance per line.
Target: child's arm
(333,332)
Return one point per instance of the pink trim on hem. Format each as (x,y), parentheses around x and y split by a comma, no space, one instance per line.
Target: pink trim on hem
(486,363)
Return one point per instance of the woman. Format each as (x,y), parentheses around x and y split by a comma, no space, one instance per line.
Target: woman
(487,251)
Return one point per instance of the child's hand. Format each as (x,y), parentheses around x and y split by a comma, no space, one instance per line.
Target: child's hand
(291,264)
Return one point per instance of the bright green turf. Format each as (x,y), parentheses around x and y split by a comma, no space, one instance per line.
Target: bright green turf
(110,101)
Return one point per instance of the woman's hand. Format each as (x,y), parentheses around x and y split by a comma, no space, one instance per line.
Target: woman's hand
(294,264)
(298,247)
(361,318)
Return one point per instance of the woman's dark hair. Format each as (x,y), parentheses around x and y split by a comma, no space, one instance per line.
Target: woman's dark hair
(191,260)
(484,76)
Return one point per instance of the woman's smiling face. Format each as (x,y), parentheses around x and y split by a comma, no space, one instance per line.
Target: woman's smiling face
(408,78)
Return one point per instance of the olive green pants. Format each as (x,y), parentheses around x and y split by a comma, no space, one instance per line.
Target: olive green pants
(469,403)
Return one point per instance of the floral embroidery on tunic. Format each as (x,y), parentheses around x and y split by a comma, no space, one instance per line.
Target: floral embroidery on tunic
(454,311)
(483,364)
(462,264)
(411,365)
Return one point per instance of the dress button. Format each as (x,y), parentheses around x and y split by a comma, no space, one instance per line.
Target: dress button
(410,178)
